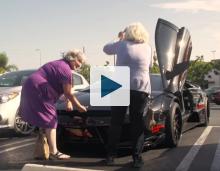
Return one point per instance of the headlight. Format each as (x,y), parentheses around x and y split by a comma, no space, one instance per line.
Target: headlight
(6,97)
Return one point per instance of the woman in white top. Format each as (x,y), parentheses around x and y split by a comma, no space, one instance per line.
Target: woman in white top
(132,50)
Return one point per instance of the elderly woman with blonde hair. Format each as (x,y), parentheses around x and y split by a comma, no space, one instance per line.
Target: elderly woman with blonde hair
(132,50)
(41,91)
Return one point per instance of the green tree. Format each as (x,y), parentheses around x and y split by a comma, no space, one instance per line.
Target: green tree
(85,71)
(216,64)
(155,68)
(3,60)
(197,71)
(4,67)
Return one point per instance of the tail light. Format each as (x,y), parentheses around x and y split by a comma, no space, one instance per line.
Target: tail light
(85,133)
(156,128)
(200,106)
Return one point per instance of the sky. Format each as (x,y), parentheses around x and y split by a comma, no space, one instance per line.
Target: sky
(34,32)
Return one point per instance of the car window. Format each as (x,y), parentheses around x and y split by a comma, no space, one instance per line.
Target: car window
(8,81)
(156,83)
(77,80)
(23,78)
(13,79)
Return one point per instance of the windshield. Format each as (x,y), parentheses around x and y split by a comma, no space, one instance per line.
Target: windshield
(156,82)
(14,79)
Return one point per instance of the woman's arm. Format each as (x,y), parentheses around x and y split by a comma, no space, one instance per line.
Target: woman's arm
(69,106)
(111,48)
(67,92)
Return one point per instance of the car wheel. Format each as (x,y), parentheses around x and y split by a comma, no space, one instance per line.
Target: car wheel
(173,126)
(22,127)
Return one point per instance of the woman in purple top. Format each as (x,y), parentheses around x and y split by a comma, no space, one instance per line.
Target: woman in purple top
(132,50)
(41,91)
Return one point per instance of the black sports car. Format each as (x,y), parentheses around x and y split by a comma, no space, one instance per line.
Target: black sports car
(175,104)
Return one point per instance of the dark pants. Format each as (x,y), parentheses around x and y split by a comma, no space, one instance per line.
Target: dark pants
(138,102)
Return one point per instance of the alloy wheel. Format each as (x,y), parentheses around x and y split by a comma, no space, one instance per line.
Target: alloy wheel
(23,127)
(176,127)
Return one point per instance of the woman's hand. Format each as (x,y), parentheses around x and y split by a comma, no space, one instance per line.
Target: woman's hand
(71,97)
(121,35)
(69,106)
(81,108)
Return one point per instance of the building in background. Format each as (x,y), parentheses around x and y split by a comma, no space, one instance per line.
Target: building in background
(213,78)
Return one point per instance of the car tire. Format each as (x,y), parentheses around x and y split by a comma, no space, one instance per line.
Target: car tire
(173,126)
(21,127)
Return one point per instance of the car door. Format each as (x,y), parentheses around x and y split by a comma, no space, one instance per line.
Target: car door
(173,46)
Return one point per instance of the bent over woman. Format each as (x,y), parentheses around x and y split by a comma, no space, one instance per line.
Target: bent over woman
(41,91)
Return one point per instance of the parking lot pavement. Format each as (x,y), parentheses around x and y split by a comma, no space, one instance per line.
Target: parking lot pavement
(199,149)
(12,170)
(37,167)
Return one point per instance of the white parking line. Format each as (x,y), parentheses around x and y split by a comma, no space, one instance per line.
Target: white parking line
(186,162)
(17,142)
(36,167)
(15,148)
(215,163)
(3,126)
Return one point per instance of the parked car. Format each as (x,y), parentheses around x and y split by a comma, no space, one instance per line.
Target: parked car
(209,91)
(175,105)
(10,91)
(216,97)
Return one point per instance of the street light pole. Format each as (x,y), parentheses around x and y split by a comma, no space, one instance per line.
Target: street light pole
(213,52)
(39,54)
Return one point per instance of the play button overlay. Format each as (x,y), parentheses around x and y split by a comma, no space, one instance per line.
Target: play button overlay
(109,86)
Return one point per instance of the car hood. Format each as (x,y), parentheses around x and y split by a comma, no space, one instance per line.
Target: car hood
(173,46)
(84,98)
(10,89)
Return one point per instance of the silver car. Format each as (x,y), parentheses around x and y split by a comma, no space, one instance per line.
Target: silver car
(10,92)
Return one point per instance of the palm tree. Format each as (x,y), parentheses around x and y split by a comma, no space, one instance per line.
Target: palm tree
(4,67)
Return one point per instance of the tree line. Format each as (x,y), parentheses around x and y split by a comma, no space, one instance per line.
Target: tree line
(196,72)
(198,68)
(4,66)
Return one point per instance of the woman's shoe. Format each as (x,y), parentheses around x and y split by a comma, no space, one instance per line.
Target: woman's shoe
(138,162)
(109,161)
(58,156)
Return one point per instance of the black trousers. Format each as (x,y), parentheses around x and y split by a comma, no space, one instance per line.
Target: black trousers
(138,102)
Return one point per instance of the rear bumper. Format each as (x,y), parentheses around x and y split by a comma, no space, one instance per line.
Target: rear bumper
(82,135)
(99,135)
(79,129)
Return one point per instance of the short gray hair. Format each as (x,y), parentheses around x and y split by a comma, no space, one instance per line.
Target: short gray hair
(75,54)
(136,32)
